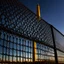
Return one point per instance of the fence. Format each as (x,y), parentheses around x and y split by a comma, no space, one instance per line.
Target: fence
(24,38)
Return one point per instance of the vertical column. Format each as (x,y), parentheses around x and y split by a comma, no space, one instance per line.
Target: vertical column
(55,51)
(38,12)
(34,51)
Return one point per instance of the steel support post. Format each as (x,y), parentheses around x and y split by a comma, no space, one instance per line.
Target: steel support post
(55,51)
(34,51)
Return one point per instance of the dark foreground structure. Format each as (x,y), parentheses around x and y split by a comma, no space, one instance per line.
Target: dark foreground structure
(25,39)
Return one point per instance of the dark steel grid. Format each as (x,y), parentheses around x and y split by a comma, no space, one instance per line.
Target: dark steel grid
(60,56)
(59,48)
(19,19)
(59,39)
(15,49)
(44,53)
(18,49)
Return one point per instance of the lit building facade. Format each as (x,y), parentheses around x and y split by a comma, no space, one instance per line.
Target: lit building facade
(24,38)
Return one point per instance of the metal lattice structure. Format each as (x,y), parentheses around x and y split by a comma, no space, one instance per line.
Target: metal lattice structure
(18,22)
(24,22)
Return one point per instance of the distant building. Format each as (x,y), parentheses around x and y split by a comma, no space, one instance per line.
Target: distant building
(24,38)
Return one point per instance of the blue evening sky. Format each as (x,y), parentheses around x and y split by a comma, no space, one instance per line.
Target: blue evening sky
(52,11)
